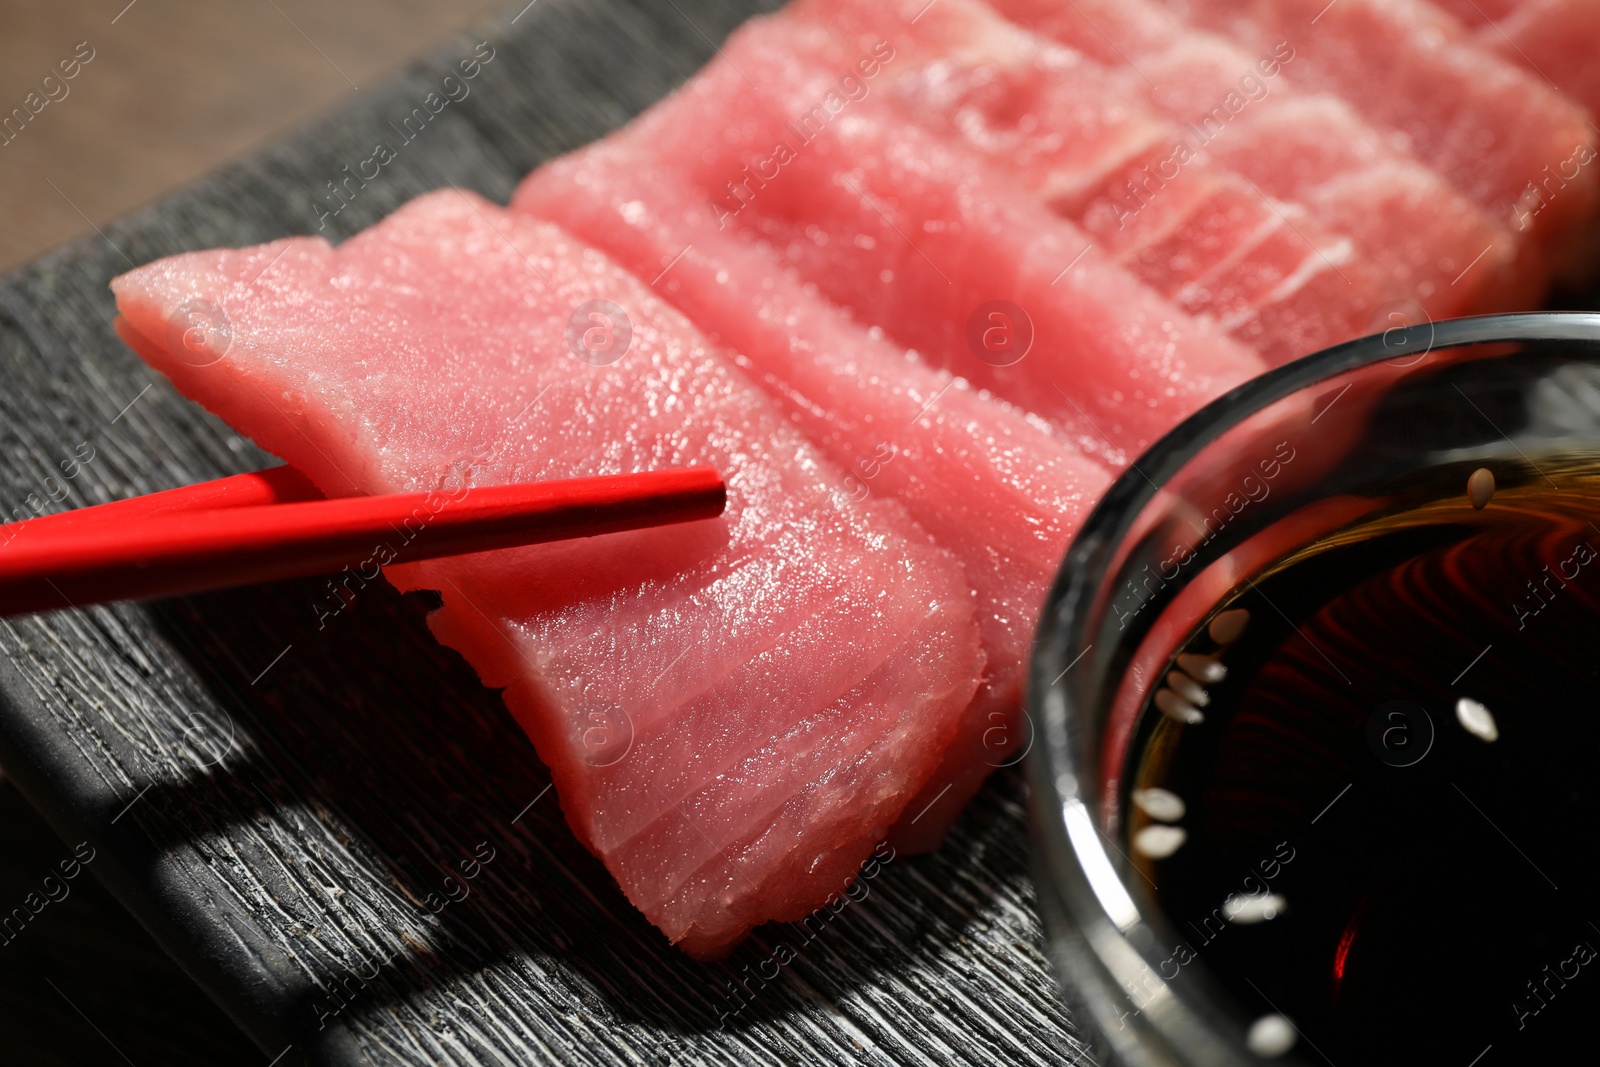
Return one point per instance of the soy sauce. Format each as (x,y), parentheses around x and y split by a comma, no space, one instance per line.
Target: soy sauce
(1389,811)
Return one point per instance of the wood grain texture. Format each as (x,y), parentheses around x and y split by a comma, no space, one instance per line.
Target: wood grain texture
(282,805)
(175,89)
(83,957)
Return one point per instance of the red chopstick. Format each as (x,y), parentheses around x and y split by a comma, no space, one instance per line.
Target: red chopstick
(202,537)
(275,485)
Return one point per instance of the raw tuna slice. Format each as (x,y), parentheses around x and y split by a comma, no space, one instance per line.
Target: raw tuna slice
(1414,229)
(1498,132)
(986,482)
(1554,39)
(1263,269)
(1312,148)
(734,712)
(1059,120)
(1193,230)
(927,241)
(1112,31)
(1482,12)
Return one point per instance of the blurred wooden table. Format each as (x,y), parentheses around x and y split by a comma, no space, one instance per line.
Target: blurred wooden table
(174,89)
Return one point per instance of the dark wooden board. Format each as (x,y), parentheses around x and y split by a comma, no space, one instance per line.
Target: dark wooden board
(281,805)
(83,957)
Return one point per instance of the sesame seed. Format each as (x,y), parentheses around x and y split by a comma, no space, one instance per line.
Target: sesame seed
(1229,626)
(1203,668)
(1159,842)
(1480,488)
(1159,804)
(1476,719)
(1188,688)
(1249,910)
(1270,1036)
(1178,709)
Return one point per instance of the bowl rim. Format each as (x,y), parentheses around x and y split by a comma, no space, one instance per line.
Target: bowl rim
(1072,868)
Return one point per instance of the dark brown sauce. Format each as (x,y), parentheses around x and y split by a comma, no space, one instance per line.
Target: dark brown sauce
(1432,871)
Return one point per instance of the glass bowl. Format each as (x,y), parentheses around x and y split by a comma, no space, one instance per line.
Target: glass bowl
(1258,468)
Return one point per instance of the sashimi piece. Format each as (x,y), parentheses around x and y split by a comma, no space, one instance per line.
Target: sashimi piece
(734,712)
(1193,230)
(1554,39)
(1059,120)
(1312,148)
(927,241)
(985,481)
(1414,230)
(1114,32)
(1298,315)
(1479,12)
(1055,116)
(1491,127)
(1267,270)
(1263,269)
(1178,225)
